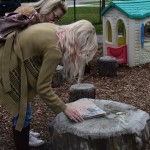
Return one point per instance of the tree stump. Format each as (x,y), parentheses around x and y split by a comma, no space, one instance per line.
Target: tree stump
(87,68)
(3,145)
(124,127)
(58,79)
(107,66)
(45,146)
(83,90)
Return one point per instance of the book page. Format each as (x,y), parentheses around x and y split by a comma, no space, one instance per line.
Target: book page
(88,109)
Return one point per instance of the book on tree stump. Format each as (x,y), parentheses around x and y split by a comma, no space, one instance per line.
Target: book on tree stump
(88,109)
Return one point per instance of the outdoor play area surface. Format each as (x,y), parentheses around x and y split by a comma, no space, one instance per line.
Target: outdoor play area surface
(131,86)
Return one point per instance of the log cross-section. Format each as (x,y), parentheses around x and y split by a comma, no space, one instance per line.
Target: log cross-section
(82,90)
(58,79)
(107,66)
(125,127)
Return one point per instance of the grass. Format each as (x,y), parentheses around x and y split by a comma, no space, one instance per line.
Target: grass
(88,13)
(93,2)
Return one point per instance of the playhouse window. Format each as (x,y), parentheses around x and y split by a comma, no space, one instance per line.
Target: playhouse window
(121,28)
(147,36)
(109,31)
(121,33)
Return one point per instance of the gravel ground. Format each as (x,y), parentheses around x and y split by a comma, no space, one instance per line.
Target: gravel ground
(131,86)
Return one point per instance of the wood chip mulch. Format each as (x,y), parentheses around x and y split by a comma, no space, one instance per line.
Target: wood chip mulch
(131,86)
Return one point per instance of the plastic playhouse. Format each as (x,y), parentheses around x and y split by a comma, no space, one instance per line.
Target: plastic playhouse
(126,31)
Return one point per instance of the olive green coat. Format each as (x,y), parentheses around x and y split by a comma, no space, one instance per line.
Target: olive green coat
(27,69)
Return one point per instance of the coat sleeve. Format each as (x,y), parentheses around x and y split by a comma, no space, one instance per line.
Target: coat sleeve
(51,59)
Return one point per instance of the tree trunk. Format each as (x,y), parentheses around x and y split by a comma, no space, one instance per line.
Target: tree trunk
(103,4)
(3,145)
(45,146)
(123,128)
(107,66)
(83,90)
(87,68)
(58,79)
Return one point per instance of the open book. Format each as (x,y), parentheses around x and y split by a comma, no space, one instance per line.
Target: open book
(88,109)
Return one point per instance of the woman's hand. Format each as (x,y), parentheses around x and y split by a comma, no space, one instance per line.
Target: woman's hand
(72,113)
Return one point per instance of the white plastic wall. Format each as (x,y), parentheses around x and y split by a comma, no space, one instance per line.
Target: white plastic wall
(136,54)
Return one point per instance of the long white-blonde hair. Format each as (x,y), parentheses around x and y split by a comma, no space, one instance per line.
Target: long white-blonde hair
(78,43)
(37,5)
(46,6)
(52,5)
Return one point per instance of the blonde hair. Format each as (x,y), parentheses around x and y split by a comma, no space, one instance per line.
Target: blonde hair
(78,42)
(36,5)
(30,12)
(44,7)
(26,10)
(52,5)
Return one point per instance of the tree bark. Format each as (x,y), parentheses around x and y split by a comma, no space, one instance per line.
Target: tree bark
(58,79)
(103,4)
(123,128)
(107,66)
(83,90)
(3,145)
(87,68)
(45,146)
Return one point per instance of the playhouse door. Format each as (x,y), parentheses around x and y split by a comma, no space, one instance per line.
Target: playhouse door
(121,33)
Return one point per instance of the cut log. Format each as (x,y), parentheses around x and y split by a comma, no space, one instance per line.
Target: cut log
(45,146)
(107,66)
(124,127)
(83,90)
(87,68)
(3,145)
(58,79)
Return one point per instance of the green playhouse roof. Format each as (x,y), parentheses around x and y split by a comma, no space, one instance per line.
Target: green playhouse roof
(135,9)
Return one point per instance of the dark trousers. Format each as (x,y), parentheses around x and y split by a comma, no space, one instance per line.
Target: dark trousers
(21,139)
